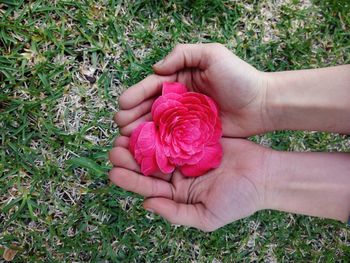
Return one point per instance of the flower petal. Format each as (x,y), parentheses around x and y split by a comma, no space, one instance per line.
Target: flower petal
(149,165)
(211,159)
(217,134)
(185,132)
(164,103)
(213,105)
(142,146)
(163,162)
(146,140)
(173,87)
(134,136)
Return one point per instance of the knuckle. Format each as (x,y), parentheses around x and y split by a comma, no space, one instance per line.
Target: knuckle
(136,186)
(144,107)
(117,118)
(207,228)
(110,155)
(172,221)
(144,90)
(179,47)
(110,174)
(122,102)
(115,142)
(154,189)
(124,131)
(217,45)
(206,224)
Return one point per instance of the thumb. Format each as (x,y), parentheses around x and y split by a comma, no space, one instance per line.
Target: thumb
(183,56)
(177,213)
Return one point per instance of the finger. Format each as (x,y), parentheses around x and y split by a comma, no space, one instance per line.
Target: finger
(121,141)
(162,176)
(184,56)
(144,185)
(124,117)
(145,89)
(121,157)
(127,130)
(177,213)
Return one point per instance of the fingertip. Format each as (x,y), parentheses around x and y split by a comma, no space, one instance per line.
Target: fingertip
(115,142)
(150,210)
(148,205)
(125,117)
(166,208)
(158,204)
(121,141)
(123,101)
(116,175)
(121,118)
(116,118)
(113,155)
(112,174)
(135,182)
(184,56)
(165,66)
(147,88)
(159,63)
(156,69)
(121,157)
(126,131)
(191,215)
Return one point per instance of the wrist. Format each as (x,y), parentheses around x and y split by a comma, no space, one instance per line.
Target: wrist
(269,171)
(266,177)
(276,103)
(266,111)
(314,99)
(272,183)
(315,184)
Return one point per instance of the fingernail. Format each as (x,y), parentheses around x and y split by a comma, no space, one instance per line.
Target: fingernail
(150,210)
(160,62)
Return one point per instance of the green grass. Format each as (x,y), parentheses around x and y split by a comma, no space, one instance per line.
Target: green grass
(63,65)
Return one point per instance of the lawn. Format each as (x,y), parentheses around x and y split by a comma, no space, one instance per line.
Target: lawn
(63,65)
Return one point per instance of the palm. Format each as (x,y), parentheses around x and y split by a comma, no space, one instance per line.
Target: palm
(229,192)
(223,195)
(237,88)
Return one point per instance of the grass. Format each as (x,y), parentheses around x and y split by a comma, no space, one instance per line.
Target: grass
(63,65)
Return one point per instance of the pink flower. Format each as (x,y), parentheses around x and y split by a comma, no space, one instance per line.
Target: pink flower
(185,133)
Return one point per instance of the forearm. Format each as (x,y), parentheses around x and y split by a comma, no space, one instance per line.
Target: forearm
(316,184)
(317,99)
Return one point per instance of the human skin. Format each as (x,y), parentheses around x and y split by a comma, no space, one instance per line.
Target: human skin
(251,102)
(314,99)
(250,178)
(237,87)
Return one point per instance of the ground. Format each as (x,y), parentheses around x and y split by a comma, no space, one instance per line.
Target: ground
(63,65)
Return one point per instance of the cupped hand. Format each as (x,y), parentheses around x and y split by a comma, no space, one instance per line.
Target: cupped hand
(232,191)
(237,87)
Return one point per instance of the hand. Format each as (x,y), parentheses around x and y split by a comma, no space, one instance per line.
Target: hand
(230,192)
(238,88)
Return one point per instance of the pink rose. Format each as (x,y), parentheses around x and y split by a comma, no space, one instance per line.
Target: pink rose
(185,133)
